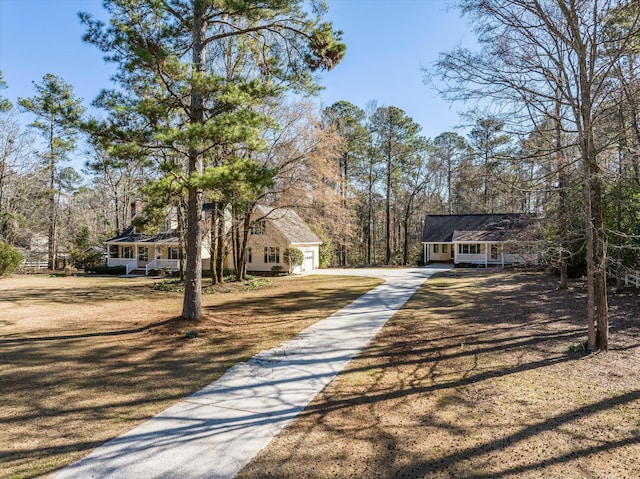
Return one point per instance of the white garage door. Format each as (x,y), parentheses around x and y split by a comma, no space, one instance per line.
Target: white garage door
(308,261)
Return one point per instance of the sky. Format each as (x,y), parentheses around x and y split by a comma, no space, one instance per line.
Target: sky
(388,42)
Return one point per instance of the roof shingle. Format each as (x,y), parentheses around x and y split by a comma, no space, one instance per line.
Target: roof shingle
(287,221)
(478,227)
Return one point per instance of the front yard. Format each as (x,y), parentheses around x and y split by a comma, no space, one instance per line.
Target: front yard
(84,359)
(479,376)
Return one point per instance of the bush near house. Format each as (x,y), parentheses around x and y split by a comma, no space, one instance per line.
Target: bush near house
(104,269)
(86,259)
(293,257)
(10,258)
(83,254)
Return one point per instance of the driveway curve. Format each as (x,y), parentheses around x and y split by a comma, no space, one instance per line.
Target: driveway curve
(216,431)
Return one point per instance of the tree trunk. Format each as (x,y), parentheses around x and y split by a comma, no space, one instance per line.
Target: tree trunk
(344,186)
(595,238)
(51,247)
(387,232)
(245,241)
(449,178)
(622,145)
(192,304)
(220,256)
(600,261)
(369,222)
(214,241)
(589,249)
(563,222)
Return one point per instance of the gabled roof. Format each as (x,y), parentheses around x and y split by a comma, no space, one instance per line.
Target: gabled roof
(289,224)
(479,227)
(128,236)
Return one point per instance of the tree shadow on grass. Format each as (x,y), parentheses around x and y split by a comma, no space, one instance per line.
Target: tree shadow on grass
(449,343)
(51,383)
(424,468)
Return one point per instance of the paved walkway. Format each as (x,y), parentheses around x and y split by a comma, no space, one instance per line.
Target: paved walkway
(215,432)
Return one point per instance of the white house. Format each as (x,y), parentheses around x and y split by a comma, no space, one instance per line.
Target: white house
(481,239)
(273,230)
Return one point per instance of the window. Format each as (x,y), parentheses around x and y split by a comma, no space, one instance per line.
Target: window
(249,255)
(174,253)
(127,252)
(271,254)
(113,251)
(143,253)
(445,248)
(436,248)
(258,227)
(469,248)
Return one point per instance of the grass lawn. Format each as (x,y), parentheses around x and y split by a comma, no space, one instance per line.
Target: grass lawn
(479,376)
(84,359)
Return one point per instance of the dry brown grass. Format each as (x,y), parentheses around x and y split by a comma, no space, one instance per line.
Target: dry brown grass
(474,379)
(84,359)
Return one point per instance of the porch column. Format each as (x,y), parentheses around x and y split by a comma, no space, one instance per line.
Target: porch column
(486,254)
(425,255)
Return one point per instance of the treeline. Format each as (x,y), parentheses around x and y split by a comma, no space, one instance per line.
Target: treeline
(362,178)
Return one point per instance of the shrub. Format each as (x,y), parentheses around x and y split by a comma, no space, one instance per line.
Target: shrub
(10,258)
(169,286)
(326,254)
(277,269)
(293,257)
(86,259)
(110,270)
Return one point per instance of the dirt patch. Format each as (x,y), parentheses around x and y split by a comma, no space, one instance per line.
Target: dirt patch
(84,359)
(481,375)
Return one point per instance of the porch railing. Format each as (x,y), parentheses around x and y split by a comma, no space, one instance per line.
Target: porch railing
(118,261)
(471,258)
(131,265)
(151,265)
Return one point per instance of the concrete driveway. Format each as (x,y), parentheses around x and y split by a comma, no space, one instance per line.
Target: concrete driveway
(215,432)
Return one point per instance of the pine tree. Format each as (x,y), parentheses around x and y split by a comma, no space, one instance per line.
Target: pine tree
(184,101)
(58,114)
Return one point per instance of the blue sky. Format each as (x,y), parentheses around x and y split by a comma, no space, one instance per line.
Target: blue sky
(387,43)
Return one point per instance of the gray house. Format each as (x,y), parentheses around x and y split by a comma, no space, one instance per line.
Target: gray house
(482,239)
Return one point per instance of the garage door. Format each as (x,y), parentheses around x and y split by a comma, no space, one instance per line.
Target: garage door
(308,262)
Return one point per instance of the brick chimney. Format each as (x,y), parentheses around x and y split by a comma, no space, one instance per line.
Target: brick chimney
(136,207)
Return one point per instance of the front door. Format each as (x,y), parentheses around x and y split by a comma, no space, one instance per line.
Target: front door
(493,255)
(143,256)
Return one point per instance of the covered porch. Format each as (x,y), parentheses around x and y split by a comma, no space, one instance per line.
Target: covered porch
(486,254)
(483,253)
(142,256)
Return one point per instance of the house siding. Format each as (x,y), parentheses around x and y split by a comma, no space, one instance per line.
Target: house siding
(482,238)
(271,238)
